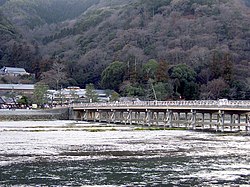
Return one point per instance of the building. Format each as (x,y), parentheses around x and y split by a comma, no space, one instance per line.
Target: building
(17,88)
(2,102)
(128,99)
(102,95)
(11,71)
(73,95)
(8,102)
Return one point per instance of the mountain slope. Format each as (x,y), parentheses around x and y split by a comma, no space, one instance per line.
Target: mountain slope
(7,30)
(87,40)
(175,31)
(32,13)
(247,2)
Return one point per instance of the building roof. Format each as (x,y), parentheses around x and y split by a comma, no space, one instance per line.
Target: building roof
(16,86)
(101,92)
(2,101)
(13,70)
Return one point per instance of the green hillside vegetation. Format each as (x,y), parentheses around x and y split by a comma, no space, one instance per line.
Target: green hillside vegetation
(162,49)
(34,13)
(247,2)
(6,28)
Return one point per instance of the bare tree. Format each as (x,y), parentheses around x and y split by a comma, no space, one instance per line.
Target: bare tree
(214,89)
(55,76)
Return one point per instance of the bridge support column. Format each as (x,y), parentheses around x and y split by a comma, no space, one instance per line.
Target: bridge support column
(153,117)
(113,116)
(136,117)
(149,117)
(211,120)
(193,121)
(140,121)
(97,115)
(178,119)
(157,118)
(231,122)
(165,119)
(218,121)
(170,118)
(85,116)
(186,119)
(108,117)
(130,117)
(100,116)
(79,115)
(239,118)
(221,120)
(247,122)
(122,117)
(145,118)
(203,121)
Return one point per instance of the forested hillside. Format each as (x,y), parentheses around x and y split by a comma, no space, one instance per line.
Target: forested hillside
(247,2)
(6,28)
(161,49)
(34,13)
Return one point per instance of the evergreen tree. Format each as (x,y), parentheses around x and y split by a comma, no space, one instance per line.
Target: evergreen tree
(91,94)
(39,96)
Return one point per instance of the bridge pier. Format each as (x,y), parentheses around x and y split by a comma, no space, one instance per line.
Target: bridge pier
(247,121)
(239,118)
(170,118)
(193,119)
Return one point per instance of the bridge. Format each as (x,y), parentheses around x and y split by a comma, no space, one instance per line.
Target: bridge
(214,115)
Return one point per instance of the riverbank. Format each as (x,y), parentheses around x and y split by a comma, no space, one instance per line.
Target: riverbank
(26,114)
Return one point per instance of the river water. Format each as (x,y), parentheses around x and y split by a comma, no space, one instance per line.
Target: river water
(69,153)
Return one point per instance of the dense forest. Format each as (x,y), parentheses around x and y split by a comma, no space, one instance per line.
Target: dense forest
(161,49)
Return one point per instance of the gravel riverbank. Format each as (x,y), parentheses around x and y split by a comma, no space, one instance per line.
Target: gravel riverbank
(25,114)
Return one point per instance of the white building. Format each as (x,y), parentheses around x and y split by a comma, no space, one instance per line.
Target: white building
(73,95)
(13,71)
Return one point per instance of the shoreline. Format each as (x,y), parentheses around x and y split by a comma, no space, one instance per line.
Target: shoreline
(26,114)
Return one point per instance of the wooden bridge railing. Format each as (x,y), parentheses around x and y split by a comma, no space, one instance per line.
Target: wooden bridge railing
(195,103)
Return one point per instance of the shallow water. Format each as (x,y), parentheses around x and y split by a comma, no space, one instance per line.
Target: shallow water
(68,153)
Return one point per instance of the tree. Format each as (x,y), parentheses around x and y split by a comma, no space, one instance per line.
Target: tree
(222,66)
(74,96)
(131,90)
(214,89)
(150,69)
(55,76)
(151,84)
(114,96)
(227,68)
(184,77)
(163,91)
(91,94)
(24,100)
(40,92)
(112,76)
(162,72)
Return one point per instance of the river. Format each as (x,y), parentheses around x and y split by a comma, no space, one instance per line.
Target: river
(70,153)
